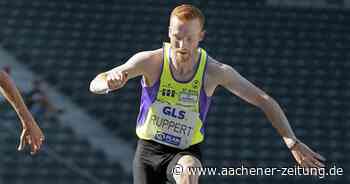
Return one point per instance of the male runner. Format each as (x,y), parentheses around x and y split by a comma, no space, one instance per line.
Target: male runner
(31,133)
(178,82)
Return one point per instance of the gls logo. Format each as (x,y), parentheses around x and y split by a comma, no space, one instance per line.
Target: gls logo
(169,111)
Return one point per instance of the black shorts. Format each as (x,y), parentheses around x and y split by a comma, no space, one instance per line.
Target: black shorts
(153,162)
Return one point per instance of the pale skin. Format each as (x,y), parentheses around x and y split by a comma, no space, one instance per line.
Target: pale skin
(31,133)
(184,39)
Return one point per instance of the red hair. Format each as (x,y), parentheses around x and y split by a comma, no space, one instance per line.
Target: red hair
(188,12)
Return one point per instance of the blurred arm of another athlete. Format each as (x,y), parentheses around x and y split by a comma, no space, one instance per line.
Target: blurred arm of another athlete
(139,64)
(31,133)
(229,78)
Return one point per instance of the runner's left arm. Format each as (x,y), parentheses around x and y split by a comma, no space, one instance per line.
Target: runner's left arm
(238,85)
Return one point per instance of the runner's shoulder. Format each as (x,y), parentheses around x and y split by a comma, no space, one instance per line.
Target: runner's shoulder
(151,62)
(150,57)
(3,75)
(215,67)
(219,72)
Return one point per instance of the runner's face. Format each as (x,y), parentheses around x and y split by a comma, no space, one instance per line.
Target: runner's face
(184,38)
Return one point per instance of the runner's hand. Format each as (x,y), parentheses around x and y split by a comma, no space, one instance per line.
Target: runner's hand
(116,79)
(306,157)
(31,135)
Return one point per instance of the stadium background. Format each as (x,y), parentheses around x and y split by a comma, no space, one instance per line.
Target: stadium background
(297,52)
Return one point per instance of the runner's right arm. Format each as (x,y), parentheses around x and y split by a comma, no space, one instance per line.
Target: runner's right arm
(118,76)
(31,133)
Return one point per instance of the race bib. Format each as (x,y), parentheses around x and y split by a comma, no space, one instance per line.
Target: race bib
(171,125)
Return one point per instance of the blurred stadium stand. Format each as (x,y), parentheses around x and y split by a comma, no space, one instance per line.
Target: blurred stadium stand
(300,56)
(64,159)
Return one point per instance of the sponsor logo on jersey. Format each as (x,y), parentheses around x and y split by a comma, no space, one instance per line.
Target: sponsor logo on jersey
(170,139)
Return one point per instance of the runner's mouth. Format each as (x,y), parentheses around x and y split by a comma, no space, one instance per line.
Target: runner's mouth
(182,52)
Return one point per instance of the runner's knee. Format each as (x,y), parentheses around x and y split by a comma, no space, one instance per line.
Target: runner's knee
(189,161)
(187,177)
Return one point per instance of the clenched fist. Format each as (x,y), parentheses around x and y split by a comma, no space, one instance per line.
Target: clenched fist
(116,79)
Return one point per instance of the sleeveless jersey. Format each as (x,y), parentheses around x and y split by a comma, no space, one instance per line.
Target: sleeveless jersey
(173,112)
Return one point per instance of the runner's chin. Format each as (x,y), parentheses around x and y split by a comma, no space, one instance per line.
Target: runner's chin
(182,57)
